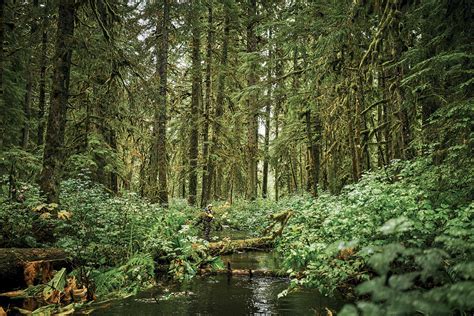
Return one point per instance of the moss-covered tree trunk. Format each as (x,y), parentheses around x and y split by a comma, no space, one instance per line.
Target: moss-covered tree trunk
(268,108)
(195,101)
(207,108)
(2,65)
(158,155)
(219,109)
(54,147)
(42,80)
(252,105)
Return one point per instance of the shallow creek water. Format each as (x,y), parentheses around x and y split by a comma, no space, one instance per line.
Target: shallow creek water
(222,295)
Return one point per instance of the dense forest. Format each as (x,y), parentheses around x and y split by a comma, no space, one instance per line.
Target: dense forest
(348,122)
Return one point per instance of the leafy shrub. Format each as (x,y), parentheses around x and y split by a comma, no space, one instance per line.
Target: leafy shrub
(19,226)
(437,280)
(330,240)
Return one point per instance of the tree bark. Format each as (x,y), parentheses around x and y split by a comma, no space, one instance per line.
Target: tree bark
(278,105)
(158,155)
(252,105)
(42,80)
(207,107)
(219,109)
(2,64)
(267,126)
(195,99)
(25,132)
(53,151)
(314,152)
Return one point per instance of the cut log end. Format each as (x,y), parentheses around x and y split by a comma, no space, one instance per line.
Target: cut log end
(20,267)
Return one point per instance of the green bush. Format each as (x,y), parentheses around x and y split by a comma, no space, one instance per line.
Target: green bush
(336,242)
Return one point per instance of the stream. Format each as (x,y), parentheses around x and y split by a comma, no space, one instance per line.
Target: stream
(223,295)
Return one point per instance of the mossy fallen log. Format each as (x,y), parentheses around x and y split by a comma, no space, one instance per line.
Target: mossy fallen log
(244,272)
(272,231)
(230,246)
(20,267)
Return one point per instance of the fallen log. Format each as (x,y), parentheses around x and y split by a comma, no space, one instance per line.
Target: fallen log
(262,243)
(230,246)
(244,272)
(20,267)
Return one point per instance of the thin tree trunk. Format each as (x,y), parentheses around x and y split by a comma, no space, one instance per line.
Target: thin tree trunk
(207,103)
(195,99)
(162,119)
(252,105)
(314,152)
(267,126)
(25,132)
(266,146)
(278,105)
(114,186)
(2,64)
(42,80)
(53,152)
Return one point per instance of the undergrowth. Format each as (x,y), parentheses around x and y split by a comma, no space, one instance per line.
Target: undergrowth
(402,237)
(120,244)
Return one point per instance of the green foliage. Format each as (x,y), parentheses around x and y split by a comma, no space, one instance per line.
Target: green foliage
(173,240)
(22,163)
(115,240)
(135,274)
(397,225)
(423,280)
(19,226)
(104,230)
(248,216)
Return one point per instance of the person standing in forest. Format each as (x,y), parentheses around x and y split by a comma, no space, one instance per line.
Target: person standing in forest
(207,219)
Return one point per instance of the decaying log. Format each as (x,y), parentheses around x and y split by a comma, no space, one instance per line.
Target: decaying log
(13,262)
(230,246)
(262,243)
(244,272)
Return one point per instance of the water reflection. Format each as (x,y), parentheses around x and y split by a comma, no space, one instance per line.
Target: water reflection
(219,295)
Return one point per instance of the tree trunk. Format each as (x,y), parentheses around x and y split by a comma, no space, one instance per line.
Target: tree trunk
(25,132)
(195,99)
(53,151)
(158,155)
(314,152)
(278,105)
(113,175)
(219,109)
(42,80)
(207,107)
(2,64)
(252,105)
(267,126)
(266,147)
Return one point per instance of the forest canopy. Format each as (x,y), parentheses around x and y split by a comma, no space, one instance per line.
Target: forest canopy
(212,100)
